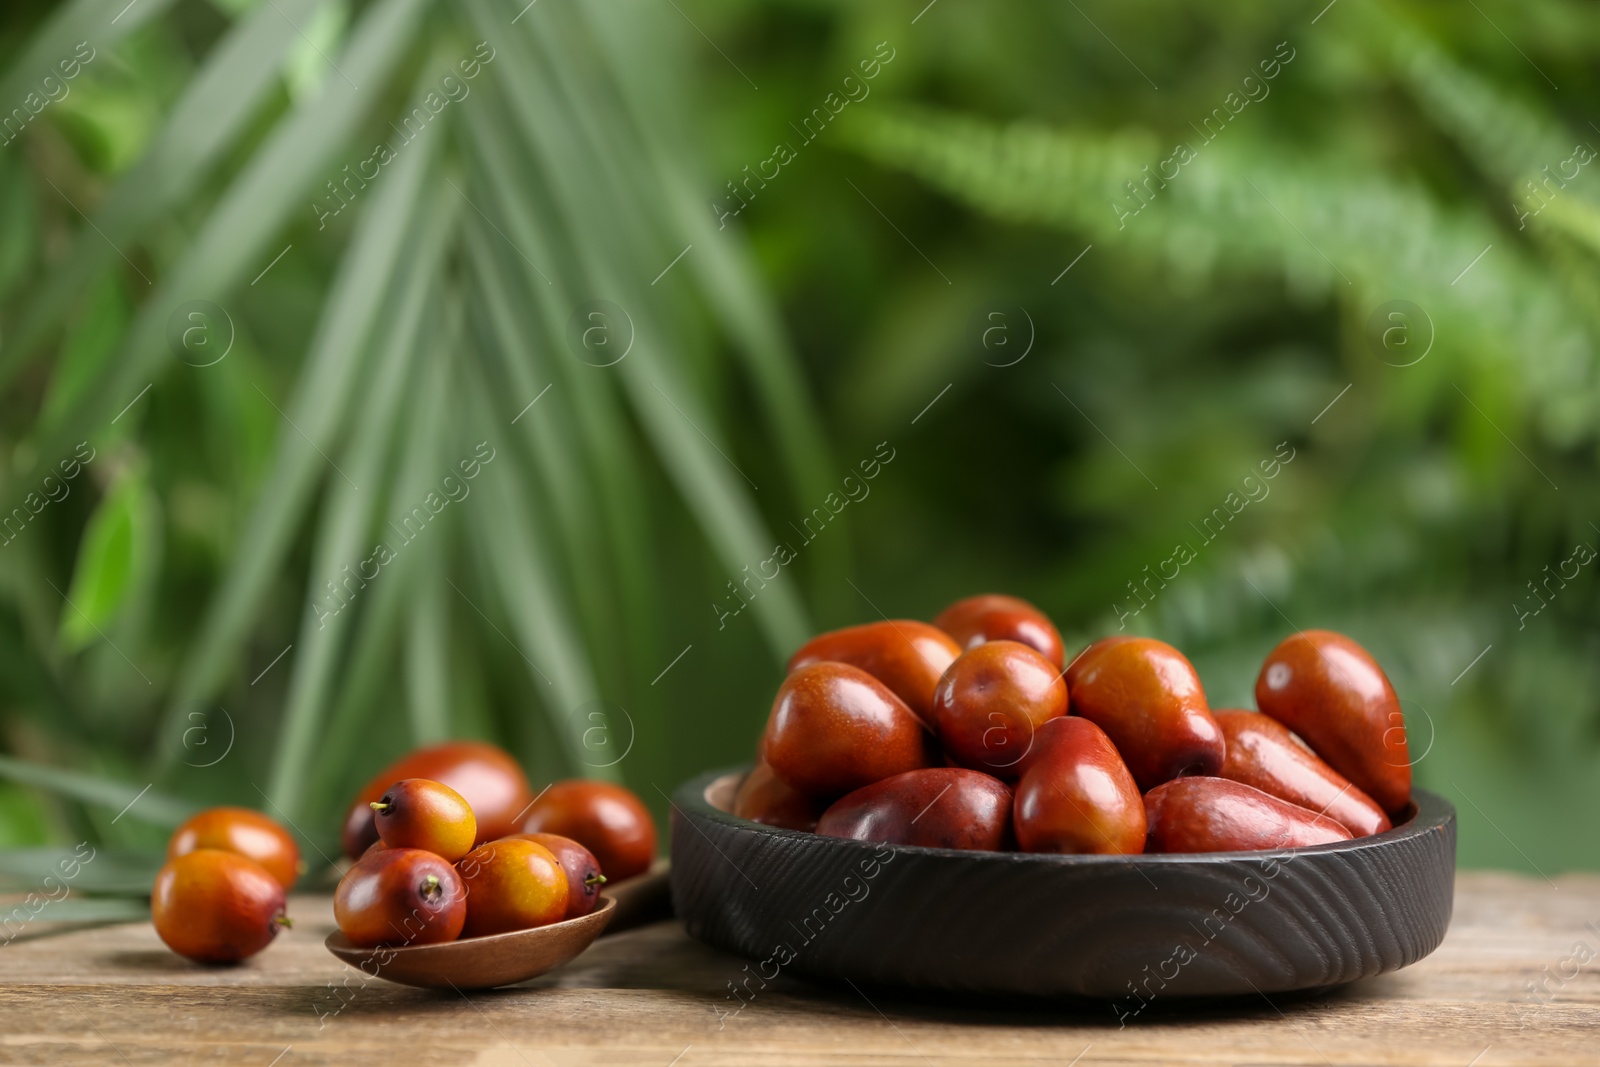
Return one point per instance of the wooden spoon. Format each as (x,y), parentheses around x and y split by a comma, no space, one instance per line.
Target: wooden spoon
(479,962)
(644,898)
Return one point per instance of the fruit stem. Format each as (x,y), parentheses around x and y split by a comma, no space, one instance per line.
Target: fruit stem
(594,879)
(430,887)
(378,805)
(283,920)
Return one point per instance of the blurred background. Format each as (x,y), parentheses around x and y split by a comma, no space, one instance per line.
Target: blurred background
(378,372)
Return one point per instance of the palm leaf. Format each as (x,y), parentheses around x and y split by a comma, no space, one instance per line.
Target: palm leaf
(348,521)
(144,804)
(531,185)
(237,232)
(209,117)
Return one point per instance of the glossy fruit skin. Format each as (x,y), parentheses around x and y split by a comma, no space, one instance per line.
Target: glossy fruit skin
(605,818)
(1148,699)
(584,879)
(906,655)
(835,728)
(1216,815)
(990,702)
(215,906)
(936,807)
(249,833)
(400,896)
(995,617)
(512,884)
(1264,753)
(490,780)
(765,798)
(1076,795)
(1080,663)
(1330,691)
(422,813)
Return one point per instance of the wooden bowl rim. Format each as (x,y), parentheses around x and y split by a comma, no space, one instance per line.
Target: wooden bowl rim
(1430,813)
(341,946)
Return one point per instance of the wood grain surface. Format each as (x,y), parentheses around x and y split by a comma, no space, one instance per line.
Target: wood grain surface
(1510,985)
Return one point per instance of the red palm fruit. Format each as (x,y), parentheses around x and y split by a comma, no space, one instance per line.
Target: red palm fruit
(512,884)
(1216,815)
(1148,699)
(584,877)
(421,813)
(607,819)
(905,655)
(936,807)
(1080,663)
(990,702)
(400,896)
(1264,753)
(765,798)
(1076,794)
(215,906)
(835,728)
(485,775)
(994,617)
(249,833)
(1330,691)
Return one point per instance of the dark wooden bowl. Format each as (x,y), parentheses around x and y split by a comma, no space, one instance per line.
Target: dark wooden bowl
(1013,923)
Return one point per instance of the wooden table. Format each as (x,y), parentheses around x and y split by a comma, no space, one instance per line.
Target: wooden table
(653,997)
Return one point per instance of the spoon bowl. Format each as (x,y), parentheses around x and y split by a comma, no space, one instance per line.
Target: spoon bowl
(479,962)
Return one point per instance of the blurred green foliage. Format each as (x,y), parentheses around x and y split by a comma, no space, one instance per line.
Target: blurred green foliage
(171,601)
